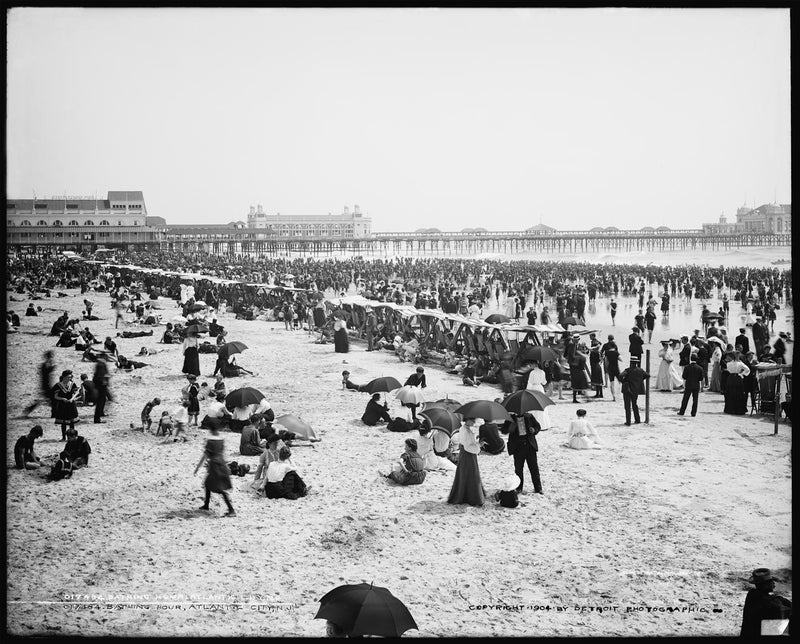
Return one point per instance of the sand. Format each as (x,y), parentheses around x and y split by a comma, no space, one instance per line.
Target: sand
(655,534)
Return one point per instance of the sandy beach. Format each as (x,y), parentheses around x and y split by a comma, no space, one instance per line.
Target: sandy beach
(655,534)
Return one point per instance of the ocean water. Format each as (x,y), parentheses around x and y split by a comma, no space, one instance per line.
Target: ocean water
(754,256)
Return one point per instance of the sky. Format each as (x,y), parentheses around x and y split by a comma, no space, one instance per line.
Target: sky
(444,118)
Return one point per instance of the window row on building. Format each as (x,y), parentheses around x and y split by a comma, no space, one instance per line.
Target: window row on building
(73,222)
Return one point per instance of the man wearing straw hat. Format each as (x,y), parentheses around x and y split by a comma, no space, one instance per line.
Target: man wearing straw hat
(765,613)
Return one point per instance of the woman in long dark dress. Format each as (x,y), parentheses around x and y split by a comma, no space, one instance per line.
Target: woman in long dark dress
(218,478)
(467,486)
(341,342)
(735,394)
(64,394)
(596,370)
(578,373)
(191,355)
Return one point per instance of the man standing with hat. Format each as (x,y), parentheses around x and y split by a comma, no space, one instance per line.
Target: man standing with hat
(693,375)
(636,344)
(742,342)
(763,605)
(760,335)
(779,348)
(100,380)
(686,351)
(632,386)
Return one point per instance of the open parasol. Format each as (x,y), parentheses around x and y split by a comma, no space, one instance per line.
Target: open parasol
(229,348)
(242,397)
(297,425)
(526,400)
(364,609)
(489,410)
(382,384)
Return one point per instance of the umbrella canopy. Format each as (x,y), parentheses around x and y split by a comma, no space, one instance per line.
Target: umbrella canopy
(196,328)
(229,348)
(193,308)
(442,419)
(242,397)
(497,318)
(526,400)
(444,403)
(295,424)
(364,609)
(409,394)
(489,410)
(539,353)
(382,384)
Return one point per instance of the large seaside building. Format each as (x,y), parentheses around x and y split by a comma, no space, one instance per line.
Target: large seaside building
(346,224)
(79,223)
(768,218)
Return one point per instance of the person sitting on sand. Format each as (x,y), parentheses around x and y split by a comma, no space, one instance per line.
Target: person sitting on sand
(233,370)
(61,469)
(508,497)
(417,379)
(78,449)
(88,393)
(490,440)
(346,384)
(217,415)
(270,454)
(425,448)
(60,325)
(405,420)
(582,435)
(283,481)
(24,455)
(169,337)
(67,339)
(250,443)
(31,310)
(375,412)
(410,469)
(219,386)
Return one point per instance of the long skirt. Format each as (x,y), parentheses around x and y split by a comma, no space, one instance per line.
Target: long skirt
(218,478)
(735,395)
(191,361)
(291,487)
(341,342)
(714,382)
(467,486)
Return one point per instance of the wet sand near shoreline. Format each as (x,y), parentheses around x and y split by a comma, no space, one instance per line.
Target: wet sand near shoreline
(659,529)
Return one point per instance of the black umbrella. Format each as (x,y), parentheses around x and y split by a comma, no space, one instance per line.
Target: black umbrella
(569,320)
(497,318)
(364,609)
(444,403)
(243,397)
(382,384)
(442,419)
(537,352)
(229,348)
(526,400)
(486,409)
(196,328)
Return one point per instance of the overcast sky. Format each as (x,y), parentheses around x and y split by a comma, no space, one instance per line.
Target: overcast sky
(422,117)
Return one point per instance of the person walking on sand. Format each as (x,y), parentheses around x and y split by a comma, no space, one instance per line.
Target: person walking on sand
(693,380)
(522,446)
(467,487)
(218,478)
(46,370)
(632,387)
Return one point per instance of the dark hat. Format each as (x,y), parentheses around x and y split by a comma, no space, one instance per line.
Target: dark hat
(66,373)
(761,575)
(635,328)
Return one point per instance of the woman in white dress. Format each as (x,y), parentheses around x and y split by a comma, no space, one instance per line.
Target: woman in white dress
(426,451)
(582,435)
(536,382)
(664,377)
(676,372)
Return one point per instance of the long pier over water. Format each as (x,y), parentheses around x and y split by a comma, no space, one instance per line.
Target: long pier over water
(388,244)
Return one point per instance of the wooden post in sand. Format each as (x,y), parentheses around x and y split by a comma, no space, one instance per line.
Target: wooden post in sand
(777,413)
(647,389)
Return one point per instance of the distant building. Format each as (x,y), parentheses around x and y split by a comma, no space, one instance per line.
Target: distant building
(768,218)
(72,223)
(346,224)
(540,229)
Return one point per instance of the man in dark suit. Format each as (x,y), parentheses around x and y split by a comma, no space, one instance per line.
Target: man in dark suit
(742,342)
(693,380)
(632,387)
(637,342)
(762,603)
(523,447)
(686,351)
(760,336)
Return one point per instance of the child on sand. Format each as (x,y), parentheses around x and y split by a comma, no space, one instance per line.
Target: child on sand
(165,424)
(147,421)
(181,419)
